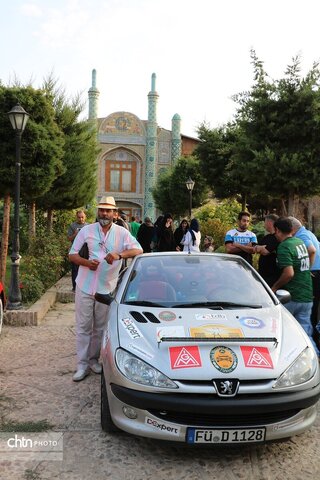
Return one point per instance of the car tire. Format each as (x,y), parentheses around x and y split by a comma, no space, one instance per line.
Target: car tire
(1,314)
(107,424)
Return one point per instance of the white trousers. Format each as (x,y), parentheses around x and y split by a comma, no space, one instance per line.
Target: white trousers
(90,322)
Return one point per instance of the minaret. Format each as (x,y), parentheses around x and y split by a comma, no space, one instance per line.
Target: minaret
(151,151)
(175,138)
(93,95)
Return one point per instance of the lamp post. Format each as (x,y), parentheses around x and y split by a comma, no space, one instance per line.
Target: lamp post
(190,185)
(18,118)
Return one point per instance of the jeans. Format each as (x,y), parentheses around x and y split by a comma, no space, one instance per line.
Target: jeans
(302,313)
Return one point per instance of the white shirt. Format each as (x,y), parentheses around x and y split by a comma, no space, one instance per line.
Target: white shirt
(187,242)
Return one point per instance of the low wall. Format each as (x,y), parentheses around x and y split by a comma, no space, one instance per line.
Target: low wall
(33,316)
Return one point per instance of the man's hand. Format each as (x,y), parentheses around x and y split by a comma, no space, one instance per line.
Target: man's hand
(111,257)
(93,264)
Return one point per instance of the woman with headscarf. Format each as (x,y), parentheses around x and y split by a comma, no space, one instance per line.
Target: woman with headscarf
(191,240)
(145,235)
(166,239)
(180,232)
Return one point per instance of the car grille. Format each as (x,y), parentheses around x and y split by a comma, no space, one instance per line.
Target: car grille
(209,420)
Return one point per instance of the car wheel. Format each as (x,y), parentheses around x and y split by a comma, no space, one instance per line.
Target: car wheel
(107,424)
(1,314)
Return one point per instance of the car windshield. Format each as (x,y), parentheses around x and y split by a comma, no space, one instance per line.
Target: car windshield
(197,280)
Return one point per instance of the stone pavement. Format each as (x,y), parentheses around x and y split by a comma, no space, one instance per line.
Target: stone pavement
(36,366)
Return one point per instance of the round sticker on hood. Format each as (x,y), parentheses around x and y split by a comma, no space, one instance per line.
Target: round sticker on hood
(252,322)
(223,359)
(167,316)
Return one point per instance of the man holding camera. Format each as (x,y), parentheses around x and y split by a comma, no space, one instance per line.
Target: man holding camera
(73,231)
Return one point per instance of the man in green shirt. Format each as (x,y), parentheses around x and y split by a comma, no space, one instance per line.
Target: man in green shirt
(134,226)
(293,260)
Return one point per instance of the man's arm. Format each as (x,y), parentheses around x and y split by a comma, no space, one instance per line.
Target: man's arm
(312,254)
(131,252)
(248,247)
(285,277)
(91,264)
(262,250)
(231,248)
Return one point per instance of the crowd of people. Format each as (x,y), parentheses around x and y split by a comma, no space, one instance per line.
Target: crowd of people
(289,258)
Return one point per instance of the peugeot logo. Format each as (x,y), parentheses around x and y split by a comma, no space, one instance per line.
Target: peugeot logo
(226,388)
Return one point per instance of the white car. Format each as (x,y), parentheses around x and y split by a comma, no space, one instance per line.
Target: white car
(198,349)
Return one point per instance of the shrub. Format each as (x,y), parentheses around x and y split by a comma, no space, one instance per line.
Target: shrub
(47,258)
(216,229)
(31,287)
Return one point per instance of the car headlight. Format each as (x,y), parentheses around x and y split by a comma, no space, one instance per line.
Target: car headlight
(300,371)
(138,371)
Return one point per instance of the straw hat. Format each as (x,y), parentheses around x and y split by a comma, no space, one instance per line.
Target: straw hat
(107,202)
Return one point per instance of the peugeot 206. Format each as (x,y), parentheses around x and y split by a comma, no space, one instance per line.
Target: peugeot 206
(198,349)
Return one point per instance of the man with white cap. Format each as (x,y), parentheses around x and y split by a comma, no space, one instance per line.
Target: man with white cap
(108,244)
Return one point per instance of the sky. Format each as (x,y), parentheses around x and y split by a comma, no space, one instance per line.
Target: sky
(199,50)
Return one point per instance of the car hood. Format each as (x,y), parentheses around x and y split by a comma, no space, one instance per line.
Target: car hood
(201,343)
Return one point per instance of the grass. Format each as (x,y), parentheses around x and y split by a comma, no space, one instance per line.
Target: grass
(40,426)
(31,474)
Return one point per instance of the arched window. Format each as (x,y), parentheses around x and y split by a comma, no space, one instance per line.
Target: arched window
(120,172)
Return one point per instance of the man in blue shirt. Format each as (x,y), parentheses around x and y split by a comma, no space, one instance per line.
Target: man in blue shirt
(241,241)
(312,244)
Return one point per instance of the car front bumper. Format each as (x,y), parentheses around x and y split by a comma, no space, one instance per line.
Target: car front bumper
(170,416)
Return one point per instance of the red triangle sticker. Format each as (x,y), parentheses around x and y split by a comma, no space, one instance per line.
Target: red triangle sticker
(185,357)
(256,357)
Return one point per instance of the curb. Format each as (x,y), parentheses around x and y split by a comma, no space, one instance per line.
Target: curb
(34,315)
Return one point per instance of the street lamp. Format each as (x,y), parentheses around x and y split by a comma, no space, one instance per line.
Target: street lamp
(190,185)
(18,118)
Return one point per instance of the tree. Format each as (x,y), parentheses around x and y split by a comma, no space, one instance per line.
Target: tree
(42,143)
(170,193)
(41,150)
(219,151)
(77,185)
(280,121)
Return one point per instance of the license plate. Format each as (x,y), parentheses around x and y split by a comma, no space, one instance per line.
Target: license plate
(223,435)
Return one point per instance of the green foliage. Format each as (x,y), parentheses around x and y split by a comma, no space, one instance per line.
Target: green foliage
(217,218)
(271,150)
(170,193)
(41,146)
(279,121)
(47,254)
(31,287)
(45,263)
(226,210)
(32,426)
(216,229)
(259,230)
(77,185)
(215,153)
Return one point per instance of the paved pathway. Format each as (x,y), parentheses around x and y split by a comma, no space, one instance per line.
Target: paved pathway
(36,366)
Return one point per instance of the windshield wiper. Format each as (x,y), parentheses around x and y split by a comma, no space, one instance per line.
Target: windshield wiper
(144,303)
(216,305)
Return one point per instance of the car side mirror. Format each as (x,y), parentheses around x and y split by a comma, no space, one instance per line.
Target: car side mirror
(283,296)
(105,298)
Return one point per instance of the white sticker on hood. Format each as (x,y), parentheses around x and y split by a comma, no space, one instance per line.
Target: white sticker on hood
(174,331)
(210,316)
(131,328)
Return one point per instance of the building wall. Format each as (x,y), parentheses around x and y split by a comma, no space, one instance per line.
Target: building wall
(188,145)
